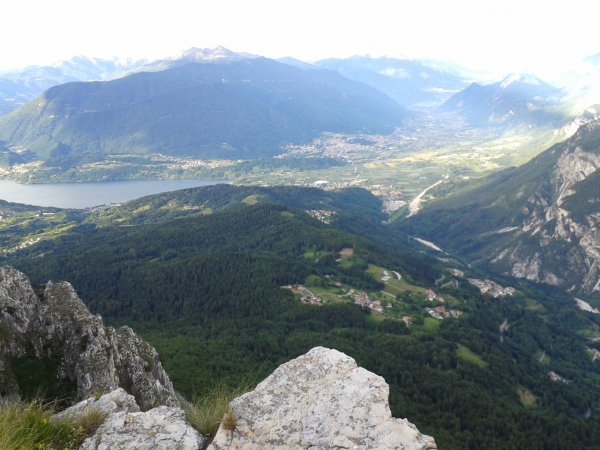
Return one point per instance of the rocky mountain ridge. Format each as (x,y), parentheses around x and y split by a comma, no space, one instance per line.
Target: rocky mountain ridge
(550,222)
(518,99)
(538,222)
(84,357)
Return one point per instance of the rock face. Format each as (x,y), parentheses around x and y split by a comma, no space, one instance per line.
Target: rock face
(125,427)
(560,220)
(318,401)
(539,221)
(54,326)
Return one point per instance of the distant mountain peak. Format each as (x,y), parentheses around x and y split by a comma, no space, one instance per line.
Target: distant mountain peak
(218,54)
(525,78)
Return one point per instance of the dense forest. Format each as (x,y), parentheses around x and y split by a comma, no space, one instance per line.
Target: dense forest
(199,273)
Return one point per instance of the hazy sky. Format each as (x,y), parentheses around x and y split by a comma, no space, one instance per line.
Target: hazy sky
(499,36)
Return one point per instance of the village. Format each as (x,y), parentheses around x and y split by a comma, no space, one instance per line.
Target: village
(383,302)
(305,295)
(322,215)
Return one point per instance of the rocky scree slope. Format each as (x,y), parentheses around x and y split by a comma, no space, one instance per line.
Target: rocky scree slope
(539,221)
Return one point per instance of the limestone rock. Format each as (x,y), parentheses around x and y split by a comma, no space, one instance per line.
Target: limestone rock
(116,401)
(54,324)
(140,371)
(125,427)
(318,401)
(162,428)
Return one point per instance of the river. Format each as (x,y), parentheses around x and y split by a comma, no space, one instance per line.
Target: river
(84,195)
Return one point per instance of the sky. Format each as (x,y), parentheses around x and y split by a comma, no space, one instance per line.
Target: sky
(498,37)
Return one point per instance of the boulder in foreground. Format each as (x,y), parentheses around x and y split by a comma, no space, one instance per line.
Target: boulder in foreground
(320,400)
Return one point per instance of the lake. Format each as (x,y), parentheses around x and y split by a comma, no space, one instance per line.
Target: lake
(84,195)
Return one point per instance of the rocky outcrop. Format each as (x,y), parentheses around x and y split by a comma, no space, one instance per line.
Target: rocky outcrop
(318,401)
(162,428)
(113,402)
(54,325)
(125,427)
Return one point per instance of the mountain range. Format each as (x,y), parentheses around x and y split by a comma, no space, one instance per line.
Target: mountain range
(415,84)
(215,103)
(245,108)
(518,99)
(18,87)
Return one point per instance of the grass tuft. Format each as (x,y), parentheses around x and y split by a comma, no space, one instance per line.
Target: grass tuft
(29,426)
(210,408)
(87,424)
(229,421)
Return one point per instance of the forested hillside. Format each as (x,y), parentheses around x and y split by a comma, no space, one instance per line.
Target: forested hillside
(241,109)
(215,278)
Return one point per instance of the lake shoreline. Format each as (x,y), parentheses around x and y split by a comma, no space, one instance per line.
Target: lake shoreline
(84,195)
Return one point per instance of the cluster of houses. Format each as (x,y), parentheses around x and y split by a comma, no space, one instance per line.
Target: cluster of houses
(304,294)
(362,299)
(392,204)
(432,296)
(322,215)
(5,214)
(441,313)
(21,246)
(489,287)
